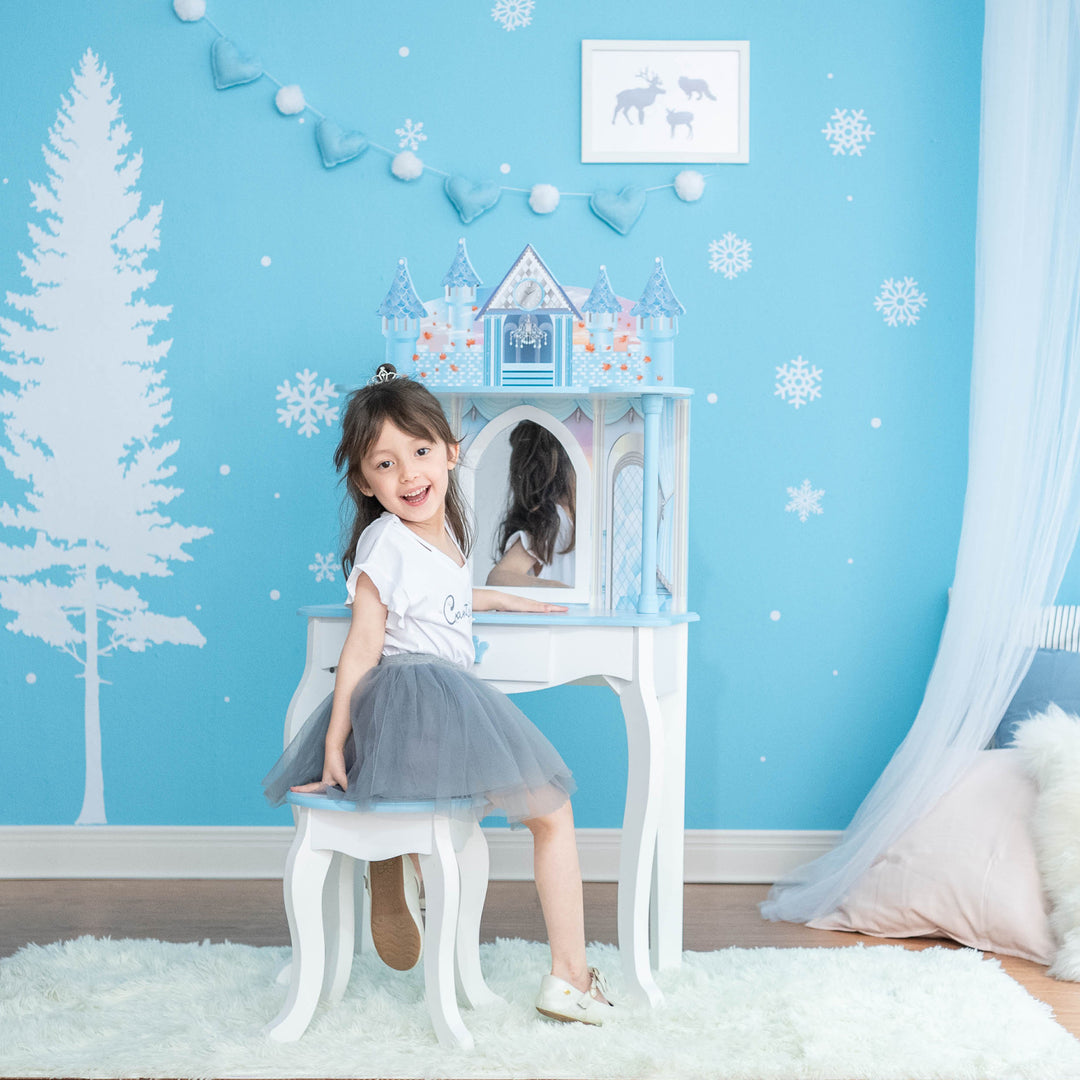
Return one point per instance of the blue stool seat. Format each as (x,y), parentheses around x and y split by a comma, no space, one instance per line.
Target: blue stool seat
(381,806)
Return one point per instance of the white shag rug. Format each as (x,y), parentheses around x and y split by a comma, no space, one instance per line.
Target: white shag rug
(102,1008)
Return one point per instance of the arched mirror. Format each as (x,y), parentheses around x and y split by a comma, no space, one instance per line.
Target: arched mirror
(529,483)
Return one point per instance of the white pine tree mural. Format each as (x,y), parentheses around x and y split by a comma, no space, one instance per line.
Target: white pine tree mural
(83,421)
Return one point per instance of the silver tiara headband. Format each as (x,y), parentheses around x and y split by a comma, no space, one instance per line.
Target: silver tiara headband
(384,374)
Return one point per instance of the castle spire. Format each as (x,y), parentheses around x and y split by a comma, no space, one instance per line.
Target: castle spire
(658,313)
(461,273)
(602,300)
(402,301)
(658,300)
(402,311)
(459,289)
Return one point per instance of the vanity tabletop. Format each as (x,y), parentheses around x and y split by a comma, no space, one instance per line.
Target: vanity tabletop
(578,615)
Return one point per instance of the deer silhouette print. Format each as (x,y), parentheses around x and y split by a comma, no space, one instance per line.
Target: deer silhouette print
(677,118)
(638,97)
(695,86)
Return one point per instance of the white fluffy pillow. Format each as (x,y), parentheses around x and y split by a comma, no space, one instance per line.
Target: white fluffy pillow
(966,870)
(1049,746)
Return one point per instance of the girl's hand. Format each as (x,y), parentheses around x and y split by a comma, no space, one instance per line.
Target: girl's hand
(538,606)
(493,600)
(359,654)
(334,774)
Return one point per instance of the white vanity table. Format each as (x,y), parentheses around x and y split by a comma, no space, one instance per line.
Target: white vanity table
(643,659)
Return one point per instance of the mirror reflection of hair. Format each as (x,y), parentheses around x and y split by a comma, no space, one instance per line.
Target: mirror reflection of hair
(535,540)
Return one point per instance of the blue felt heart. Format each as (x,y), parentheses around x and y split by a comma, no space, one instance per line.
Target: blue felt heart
(621,210)
(471,197)
(338,145)
(230,68)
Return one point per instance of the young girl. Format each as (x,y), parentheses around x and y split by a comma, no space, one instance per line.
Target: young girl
(407,720)
(535,544)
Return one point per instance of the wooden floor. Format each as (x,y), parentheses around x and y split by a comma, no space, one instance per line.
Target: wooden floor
(251,912)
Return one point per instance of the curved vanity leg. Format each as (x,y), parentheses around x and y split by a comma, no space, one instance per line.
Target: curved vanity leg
(645,754)
(442,889)
(667,898)
(472,861)
(305,874)
(340,923)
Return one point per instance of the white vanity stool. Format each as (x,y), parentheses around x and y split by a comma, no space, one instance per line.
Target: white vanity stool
(319,902)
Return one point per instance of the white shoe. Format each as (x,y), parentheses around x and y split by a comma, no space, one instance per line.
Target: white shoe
(559,1000)
(396,926)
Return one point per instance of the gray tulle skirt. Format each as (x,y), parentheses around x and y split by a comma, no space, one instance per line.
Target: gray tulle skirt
(425,730)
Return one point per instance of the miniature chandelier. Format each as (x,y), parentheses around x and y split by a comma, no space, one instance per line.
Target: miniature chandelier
(528,332)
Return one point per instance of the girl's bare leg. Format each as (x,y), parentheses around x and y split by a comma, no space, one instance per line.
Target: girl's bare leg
(558,881)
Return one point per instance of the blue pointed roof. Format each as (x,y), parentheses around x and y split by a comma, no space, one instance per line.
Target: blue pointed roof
(401,302)
(528,264)
(602,299)
(461,272)
(658,299)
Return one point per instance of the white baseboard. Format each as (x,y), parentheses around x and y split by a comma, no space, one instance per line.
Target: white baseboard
(163,851)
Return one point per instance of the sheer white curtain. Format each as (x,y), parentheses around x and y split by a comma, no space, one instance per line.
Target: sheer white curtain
(1022,507)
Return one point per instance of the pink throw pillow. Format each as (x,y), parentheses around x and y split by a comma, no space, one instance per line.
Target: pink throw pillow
(965,871)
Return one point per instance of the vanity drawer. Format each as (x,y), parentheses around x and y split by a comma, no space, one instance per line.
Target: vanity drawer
(515,653)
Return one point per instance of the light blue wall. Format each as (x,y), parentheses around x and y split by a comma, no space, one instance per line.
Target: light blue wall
(790,720)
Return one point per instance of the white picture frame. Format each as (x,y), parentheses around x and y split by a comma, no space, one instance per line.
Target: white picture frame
(678,101)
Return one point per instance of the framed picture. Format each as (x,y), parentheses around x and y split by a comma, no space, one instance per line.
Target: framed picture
(665,101)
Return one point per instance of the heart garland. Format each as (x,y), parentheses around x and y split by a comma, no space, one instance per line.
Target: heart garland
(230,67)
(336,145)
(621,210)
(470,198)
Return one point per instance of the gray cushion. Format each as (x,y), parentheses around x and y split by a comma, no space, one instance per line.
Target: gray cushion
(1054,676)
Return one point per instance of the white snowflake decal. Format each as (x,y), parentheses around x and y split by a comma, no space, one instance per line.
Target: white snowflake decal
(847,132)
(307,403)
(900,301)
(324,566)
(804,501)
(796,383)
(411,135)
(729,255)
(513,13)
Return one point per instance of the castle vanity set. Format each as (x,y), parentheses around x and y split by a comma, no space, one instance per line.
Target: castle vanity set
(597,373)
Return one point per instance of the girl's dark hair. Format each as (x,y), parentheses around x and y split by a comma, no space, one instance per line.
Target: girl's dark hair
(416,411)
(541,477)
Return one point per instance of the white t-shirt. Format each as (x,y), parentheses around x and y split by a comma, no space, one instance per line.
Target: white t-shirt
(561,567)
(428,597)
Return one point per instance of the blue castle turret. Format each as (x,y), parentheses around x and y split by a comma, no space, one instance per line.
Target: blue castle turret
(401,311)
(657,314)
(601,310)
(459,286)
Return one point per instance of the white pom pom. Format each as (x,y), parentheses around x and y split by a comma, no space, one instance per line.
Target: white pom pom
(189,10)
(290,99)
(544,198)
(689,185)
(406,166)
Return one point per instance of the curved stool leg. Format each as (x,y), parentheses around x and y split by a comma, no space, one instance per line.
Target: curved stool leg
(305,873)
(472,861)
(442,888)
(340,923)
(365,944)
